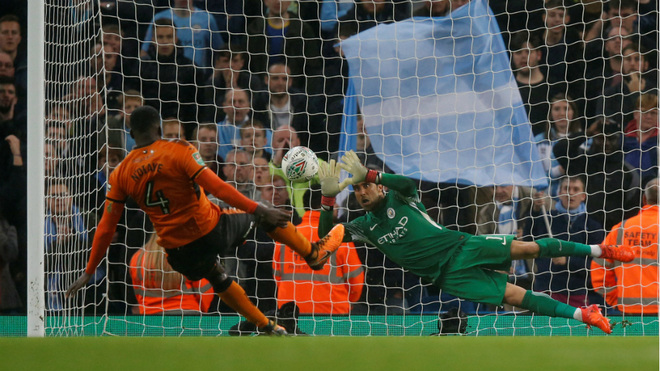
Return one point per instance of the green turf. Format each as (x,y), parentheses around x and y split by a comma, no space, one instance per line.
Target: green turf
(330,353)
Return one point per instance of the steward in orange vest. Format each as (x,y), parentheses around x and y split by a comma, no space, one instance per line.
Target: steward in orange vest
(160,289)
(330,290)
(633,287)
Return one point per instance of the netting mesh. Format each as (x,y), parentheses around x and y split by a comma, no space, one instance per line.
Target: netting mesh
(433,95)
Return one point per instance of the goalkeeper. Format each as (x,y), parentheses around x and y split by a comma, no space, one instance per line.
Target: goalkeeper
(467,266)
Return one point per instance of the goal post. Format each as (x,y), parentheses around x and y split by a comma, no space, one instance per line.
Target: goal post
(468,104)
(36,202)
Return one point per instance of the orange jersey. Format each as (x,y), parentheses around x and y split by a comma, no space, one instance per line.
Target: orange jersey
(160,177)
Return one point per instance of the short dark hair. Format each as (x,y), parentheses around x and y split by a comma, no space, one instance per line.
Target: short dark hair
(164,22)
(312,197)
(10,18)
(144,118)
(521,37)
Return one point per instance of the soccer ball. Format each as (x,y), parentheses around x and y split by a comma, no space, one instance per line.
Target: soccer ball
(300,164)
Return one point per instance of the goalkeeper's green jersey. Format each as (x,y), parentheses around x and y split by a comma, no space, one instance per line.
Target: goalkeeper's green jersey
(402,230)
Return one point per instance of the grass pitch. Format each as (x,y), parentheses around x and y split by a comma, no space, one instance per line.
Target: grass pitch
(330,353)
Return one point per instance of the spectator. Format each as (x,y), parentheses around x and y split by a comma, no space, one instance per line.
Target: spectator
(254,139)
(286,105)
(10,300)
(604,58)
(52,161)
(331,290)
(611,184)
(173,129)
(640,143)
(127,53)
(159,289)
(261,172)
(205,138)
(239,172)
(196,29)
(13,210)
(56,133)
(633,287)
(109,159)
(565,278)
(618,101)
(237,107)
(370,13)
(119,127)
(281,37)
(65,232)
(561,51)
(229,72)
(11,116)
(6,65)
(10,39)
(284,138)
(563,120)
(275,192)
(323,16)
(532,82)
(107,67)
(169,80)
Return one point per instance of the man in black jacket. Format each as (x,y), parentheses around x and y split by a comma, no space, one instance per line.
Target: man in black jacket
(612,185)
(169,80)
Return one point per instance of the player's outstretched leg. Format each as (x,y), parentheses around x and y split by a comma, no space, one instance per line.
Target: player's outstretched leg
(543,304)
(551,248)
(234,296)
(315,253)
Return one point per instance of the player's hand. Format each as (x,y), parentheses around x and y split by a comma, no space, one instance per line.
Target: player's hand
(329,178)
(80,283)
(351,163)
(273,215)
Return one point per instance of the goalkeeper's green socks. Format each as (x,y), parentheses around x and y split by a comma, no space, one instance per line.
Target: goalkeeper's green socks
(545,305)
(552,248)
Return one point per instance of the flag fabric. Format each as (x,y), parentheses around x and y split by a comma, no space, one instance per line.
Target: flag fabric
(440,102)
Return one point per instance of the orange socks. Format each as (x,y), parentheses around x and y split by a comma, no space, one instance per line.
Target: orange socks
(235,297)
(292,238)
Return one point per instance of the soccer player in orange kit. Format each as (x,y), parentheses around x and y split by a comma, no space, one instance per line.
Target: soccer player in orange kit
(164,178)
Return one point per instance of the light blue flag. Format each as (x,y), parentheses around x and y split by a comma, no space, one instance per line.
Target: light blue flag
(440,102)
(348,136)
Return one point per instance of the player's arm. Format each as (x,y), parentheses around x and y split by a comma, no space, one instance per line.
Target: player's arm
(220,189)
(102,239)
(403,185)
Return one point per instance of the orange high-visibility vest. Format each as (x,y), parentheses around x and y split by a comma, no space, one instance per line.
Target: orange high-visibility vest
(631,287)
(191,297)
(330,290)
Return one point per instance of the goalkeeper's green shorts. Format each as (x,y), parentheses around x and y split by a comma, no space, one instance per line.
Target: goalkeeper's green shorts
(472,273)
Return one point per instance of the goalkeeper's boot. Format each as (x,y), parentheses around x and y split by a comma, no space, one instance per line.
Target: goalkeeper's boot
(621,253)
(592,316)
(273,329)
(323,249)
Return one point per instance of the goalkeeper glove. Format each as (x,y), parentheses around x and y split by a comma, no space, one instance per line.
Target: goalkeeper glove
(351,163)
(329,179)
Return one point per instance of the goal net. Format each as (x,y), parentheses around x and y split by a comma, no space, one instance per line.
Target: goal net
(533,119)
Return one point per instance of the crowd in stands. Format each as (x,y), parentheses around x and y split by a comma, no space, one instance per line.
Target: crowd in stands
(246,80)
